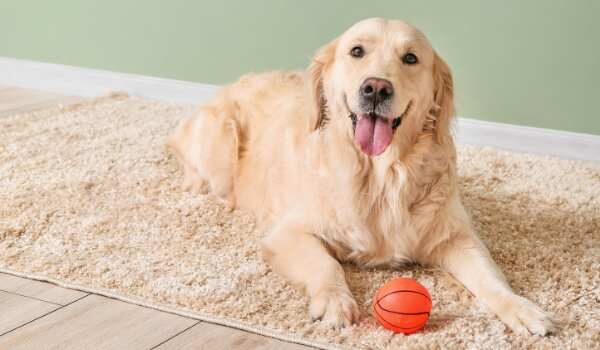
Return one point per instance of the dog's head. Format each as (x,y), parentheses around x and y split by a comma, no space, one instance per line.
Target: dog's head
(383,84)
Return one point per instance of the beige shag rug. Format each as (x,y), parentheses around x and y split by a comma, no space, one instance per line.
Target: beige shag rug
(90,198)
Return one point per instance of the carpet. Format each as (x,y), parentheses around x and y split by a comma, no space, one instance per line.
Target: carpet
(90,198)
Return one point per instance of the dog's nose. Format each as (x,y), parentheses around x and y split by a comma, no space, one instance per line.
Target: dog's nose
(376,90)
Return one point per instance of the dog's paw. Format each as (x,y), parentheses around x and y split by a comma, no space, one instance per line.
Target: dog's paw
(524,317)
(228,202)
(195,184)
(335,308)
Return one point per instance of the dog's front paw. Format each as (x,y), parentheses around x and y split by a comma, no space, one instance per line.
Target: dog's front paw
(335,308)
(194,183)
(524,317)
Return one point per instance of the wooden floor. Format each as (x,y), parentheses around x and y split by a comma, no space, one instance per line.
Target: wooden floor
(37,315)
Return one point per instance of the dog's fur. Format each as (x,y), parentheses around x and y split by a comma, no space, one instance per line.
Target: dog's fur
(282,145)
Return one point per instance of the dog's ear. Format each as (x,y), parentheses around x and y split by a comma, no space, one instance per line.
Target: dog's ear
(319,65)
(443,99)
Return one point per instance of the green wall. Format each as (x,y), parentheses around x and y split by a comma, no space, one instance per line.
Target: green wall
(523,62)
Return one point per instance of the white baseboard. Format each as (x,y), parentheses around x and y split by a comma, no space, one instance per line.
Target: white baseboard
(89,82)
(557,143)
(92,82)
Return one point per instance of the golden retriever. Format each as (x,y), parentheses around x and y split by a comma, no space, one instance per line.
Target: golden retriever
(351,160)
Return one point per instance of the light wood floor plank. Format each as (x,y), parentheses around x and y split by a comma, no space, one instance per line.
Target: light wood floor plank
(15,100)
(16,310)
(38,290)
(65,101)
(14,97)
(211,336)
(96,322)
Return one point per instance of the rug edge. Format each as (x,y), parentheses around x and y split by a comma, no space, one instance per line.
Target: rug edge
(163,308)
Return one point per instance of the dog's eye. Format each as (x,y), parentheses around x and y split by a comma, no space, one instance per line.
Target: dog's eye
(410,58)
(357,51)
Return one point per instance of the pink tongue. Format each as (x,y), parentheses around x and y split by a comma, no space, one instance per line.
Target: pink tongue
(373,135)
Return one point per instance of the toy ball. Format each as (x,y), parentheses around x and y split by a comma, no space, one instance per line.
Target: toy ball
(402,305)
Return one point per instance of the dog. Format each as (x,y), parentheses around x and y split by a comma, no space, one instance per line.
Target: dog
(351,160)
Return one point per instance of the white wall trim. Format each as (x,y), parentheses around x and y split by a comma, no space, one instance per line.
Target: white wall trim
(78,81)
(557,143)
(92,82)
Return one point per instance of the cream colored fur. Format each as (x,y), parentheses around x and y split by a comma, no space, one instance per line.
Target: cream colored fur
(281,144)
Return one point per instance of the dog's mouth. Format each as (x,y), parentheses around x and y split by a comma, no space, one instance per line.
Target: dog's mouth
(374,132)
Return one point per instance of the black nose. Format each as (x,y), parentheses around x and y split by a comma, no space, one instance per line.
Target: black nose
(375,90)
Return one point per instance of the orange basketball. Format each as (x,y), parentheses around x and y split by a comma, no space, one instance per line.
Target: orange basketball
(402,305)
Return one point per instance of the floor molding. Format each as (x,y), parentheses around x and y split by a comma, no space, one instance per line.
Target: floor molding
(93,82)
(556,143)
(79,81)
